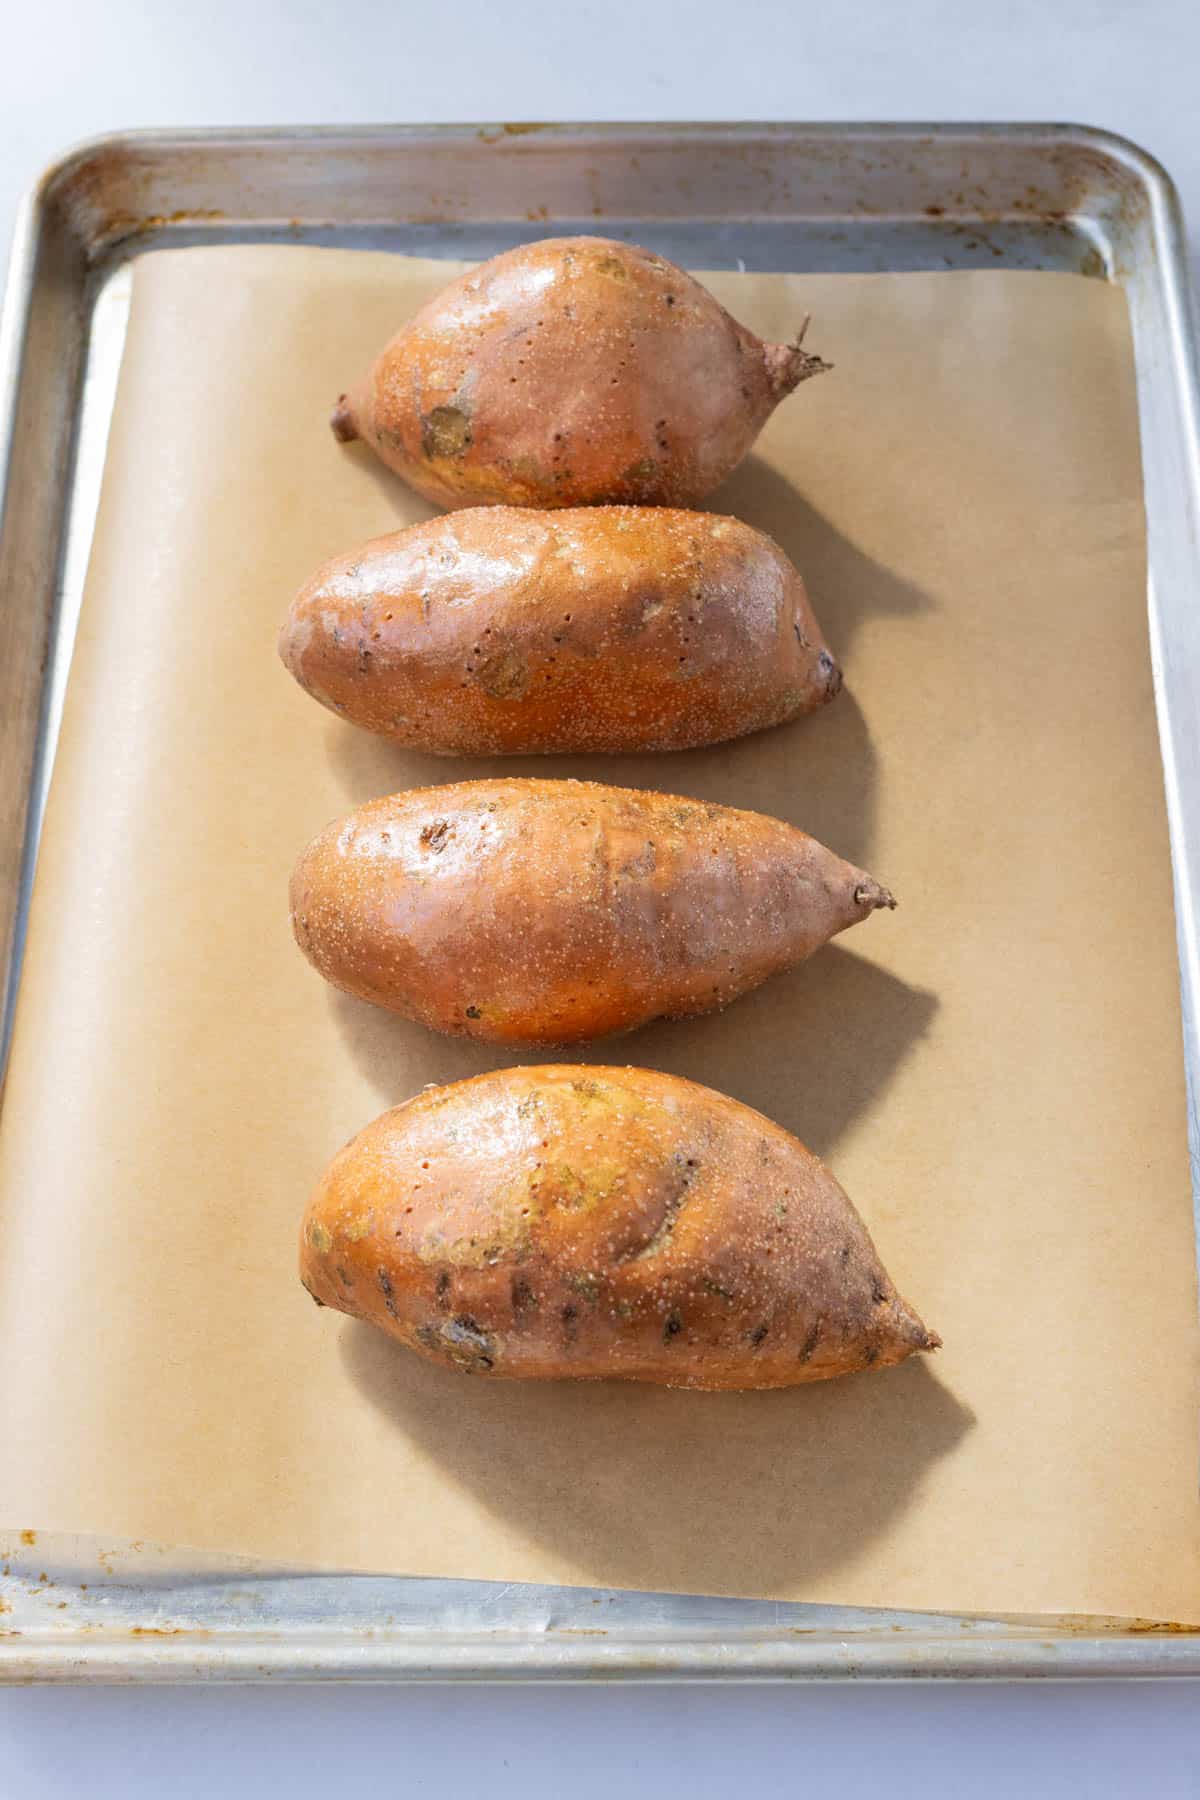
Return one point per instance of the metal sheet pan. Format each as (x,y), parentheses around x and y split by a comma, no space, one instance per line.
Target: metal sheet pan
(825,197)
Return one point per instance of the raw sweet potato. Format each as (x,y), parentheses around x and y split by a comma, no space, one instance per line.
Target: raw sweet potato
(566,372)
(610,628)
(551,911)
(591,1222)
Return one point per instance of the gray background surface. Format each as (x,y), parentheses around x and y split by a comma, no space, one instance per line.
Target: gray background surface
(69,70)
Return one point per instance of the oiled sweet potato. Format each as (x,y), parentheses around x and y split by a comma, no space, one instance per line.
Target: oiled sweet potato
(566,372)
(591,1222)
(547,912)
(502,630)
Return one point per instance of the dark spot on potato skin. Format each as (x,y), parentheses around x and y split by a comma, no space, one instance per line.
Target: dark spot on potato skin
(758,1334)
(464,1334)
(462,1341)
(504,675)
(443,1288)
(523,1297)
(446,431)
(672,1326)
(386,1289)
(436,835)
(714,1287)
(809,1344)
(641,864)
(570,1321)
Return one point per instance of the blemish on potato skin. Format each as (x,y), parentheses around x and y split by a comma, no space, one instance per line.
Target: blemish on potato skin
(642,864)
(468,1347)
(715,1288)
(464,1338)
(319,1237)
(388,1292)
(504,675)
(446,431)
(522,1297)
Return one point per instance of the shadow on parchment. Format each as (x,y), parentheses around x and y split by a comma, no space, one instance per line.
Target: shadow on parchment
(818,774)
(400,505)
(652,1488)
(813,1049)
(844,584)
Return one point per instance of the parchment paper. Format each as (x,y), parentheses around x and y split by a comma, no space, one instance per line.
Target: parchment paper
(994,1071)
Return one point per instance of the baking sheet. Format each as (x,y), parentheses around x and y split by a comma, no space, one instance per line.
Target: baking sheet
(994,1072)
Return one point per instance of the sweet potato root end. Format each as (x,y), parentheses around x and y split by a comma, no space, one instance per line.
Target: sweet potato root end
(790,364)
(341,421)
(872,895)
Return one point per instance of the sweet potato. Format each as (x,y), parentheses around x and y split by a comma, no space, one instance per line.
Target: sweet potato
(566,372)
(526,911)
(501,630)
(592,1222)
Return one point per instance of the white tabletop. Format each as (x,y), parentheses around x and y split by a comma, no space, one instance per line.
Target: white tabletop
(71,68)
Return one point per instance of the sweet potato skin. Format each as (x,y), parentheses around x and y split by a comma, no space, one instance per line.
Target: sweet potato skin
(570,372)
(502,631)
(569,1221)
(549,912)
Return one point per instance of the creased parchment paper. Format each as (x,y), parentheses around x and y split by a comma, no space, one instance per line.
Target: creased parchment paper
(994,1071)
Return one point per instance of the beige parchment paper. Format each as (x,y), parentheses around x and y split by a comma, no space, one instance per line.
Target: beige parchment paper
(994,1071)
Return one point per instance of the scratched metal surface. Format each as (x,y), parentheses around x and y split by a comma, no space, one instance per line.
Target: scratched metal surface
(827,197)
